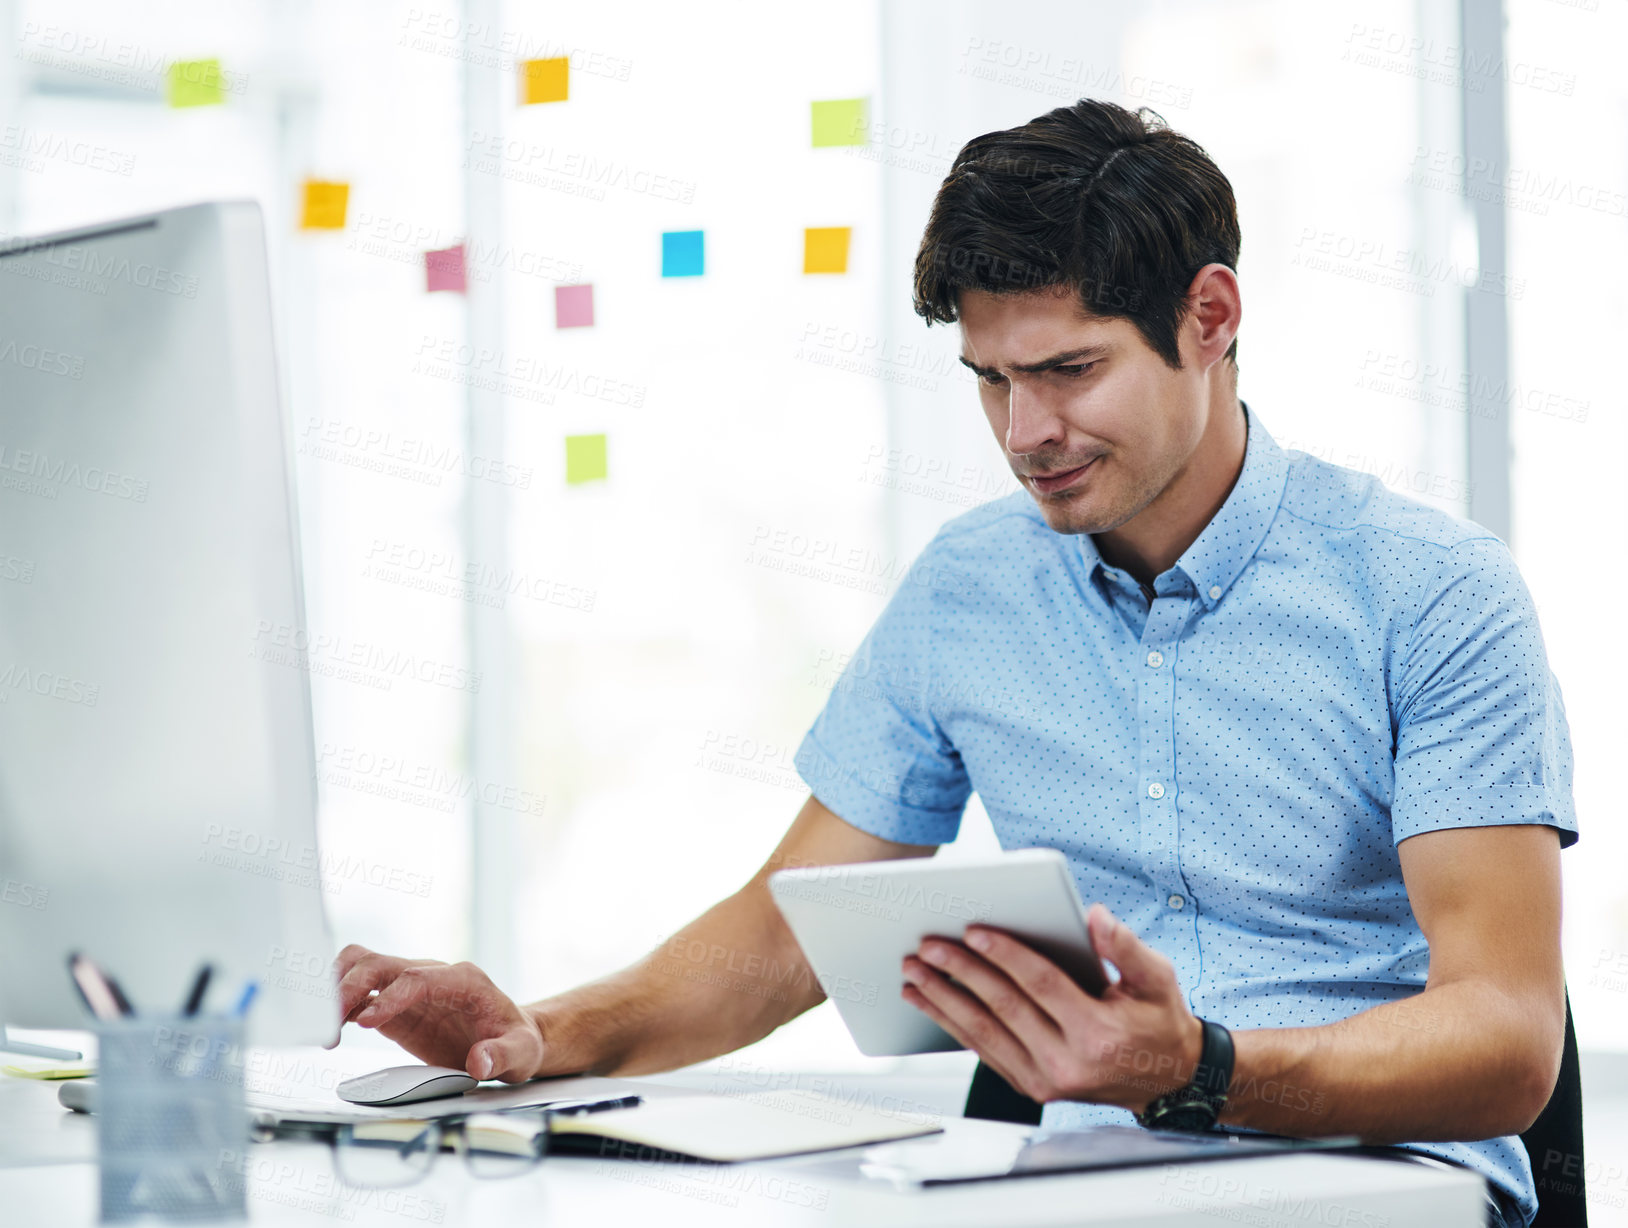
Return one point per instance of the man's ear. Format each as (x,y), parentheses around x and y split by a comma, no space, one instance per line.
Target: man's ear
(1215,308)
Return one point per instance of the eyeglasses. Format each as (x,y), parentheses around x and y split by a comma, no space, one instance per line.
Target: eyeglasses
(389,1154)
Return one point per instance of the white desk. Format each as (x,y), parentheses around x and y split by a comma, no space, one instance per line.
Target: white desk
(48,1181)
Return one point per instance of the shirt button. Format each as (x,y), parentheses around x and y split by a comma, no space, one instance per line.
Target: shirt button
(1176,901)
(1155,790)
(1215,592)
(1155,659)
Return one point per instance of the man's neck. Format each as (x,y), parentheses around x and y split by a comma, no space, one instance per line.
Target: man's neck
(1148,544)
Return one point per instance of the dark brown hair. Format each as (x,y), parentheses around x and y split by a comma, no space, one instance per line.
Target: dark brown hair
(1107,201)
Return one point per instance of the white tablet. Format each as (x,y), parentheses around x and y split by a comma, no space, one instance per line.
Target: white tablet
(856,923)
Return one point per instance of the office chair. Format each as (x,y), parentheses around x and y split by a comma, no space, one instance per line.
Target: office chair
(1554,1142)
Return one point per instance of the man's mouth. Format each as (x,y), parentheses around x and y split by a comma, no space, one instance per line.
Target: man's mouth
(1062,479)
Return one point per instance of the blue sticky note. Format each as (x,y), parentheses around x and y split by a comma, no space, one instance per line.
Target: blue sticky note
(683,253)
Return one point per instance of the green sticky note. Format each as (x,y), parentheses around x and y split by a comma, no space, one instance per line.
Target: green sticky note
(196,83)
(585,459)
(841,121)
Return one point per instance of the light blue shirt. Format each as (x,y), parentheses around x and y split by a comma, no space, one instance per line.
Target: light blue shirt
(1329,669)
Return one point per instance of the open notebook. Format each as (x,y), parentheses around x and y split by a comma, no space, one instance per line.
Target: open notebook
(695,1125)
(731,1128)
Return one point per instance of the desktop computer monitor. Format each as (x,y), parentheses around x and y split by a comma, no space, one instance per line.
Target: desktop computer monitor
(157,781)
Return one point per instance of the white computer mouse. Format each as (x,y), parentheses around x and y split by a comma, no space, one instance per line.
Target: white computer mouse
(405,1084)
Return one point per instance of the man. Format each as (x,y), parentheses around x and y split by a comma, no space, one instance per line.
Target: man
(1296,734)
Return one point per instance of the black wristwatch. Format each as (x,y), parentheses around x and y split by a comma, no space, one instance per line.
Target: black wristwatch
(1198,1105)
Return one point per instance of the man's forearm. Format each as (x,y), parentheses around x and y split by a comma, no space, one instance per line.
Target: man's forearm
(1459,1061)
(725,980)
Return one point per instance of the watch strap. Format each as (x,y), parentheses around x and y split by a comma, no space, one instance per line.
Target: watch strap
(1198,1105)
(1213,1074)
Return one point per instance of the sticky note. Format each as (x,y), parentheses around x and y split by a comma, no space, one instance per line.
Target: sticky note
(196,83)
(444,270)
(825,249)
(324,207)
(573,306)
(545,80)
(683,253)
(585,459)
(841,121)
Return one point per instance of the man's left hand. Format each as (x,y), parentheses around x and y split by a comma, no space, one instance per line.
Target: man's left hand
(1044,1034)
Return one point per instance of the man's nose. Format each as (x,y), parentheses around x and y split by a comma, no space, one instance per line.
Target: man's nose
(1029,424)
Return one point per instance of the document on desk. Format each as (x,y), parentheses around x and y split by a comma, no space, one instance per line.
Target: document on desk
(727,1129)
(271,1106)
(1039,1153)
(701,1126)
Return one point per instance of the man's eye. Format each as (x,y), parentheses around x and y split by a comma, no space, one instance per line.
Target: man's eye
(992,378)
(1073,370)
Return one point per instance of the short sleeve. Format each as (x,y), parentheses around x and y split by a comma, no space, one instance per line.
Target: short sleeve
(875,756)
(1481,736)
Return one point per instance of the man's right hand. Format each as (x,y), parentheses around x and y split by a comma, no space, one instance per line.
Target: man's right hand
(443,1014)
(646,1018)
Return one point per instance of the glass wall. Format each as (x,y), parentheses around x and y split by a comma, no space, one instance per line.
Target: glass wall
(778,444)
(1565,190)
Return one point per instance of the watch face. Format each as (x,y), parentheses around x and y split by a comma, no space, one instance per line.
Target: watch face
(1187,1117)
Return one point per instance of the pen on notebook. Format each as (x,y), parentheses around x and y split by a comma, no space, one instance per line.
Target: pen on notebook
(199,986)
(93,988)
(574,1108)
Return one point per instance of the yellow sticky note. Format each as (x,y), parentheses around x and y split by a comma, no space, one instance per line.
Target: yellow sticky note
(545,80)
(585,459)
(841,121)
(196,83)
(325,205)
(825,249)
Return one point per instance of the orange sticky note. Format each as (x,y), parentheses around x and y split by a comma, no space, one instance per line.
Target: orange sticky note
(325,204)
(825,249)
(545,80)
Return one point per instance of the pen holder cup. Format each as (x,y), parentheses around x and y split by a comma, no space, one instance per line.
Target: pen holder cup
(171,1118)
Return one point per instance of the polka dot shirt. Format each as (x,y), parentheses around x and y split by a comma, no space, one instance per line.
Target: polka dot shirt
(1330,668)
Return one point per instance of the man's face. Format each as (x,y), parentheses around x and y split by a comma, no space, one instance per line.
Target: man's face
(1093,423)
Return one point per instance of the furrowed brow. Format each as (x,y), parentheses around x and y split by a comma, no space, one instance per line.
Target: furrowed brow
(1086,353)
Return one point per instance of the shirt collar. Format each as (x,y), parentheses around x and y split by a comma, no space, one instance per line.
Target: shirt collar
(1234,534)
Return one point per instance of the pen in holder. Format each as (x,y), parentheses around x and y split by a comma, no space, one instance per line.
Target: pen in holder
(170,1117)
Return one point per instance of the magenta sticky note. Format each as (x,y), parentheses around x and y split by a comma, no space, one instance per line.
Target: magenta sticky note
(573,306)
(444,269)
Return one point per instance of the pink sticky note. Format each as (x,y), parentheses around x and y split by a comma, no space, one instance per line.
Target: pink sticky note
(573,306)
(444,270)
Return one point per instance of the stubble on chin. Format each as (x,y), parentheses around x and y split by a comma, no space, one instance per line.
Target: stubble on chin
(1091,511)
(1072,516)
